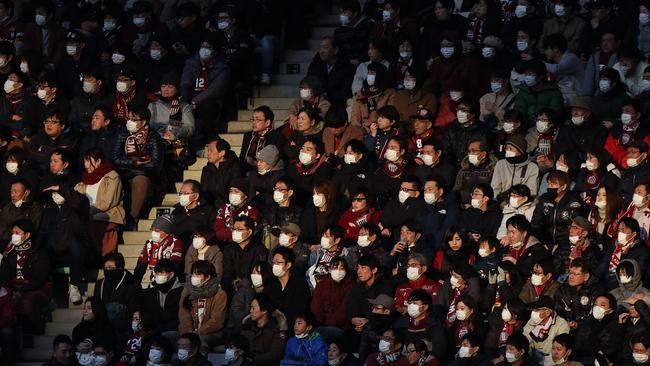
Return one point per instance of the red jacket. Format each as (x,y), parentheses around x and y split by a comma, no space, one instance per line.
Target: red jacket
(350,221)
(404,290)
(329,299)
(617,151)
(226,215)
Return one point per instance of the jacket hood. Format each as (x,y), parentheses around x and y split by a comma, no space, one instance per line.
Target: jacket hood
(491,162)
(317,128)
(636,278)
(279,318)
(208,289)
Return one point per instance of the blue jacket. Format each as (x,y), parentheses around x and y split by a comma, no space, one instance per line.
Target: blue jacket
(310,351)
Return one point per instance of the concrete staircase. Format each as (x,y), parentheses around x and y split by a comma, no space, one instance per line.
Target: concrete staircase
(278,96)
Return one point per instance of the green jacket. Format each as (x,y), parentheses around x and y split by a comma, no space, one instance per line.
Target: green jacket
(529,102)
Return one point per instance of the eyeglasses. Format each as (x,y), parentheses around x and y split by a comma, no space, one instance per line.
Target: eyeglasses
(280,263)
(257,120)
(361,199)
(51,121)
(280,189)
(407,190)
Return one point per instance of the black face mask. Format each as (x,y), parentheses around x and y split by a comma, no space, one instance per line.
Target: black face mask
(552,192)
(113,274)
(517,159)
(380,322)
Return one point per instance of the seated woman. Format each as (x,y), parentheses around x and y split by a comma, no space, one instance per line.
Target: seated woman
(330,297)
(27,266)
(204,248)
(310,124)
(138,155)
(323,210)
(361,212)
(94,326)
(17,167)
(422,325)
(412,98)
(312,167)
(172,118)
(456,249)
(471,351)
(103,187)
(203,292)
(311,96)
(374,95)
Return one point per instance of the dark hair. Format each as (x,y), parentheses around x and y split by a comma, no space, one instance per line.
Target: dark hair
(65,154)
(94,153)
(558,176)
(440,181)
(18,153)
(517,308)
(491,241)
(546,263)
(57,113)
(195,340)
(486,189)
(472,103)
(350,5)
(336,117)
(362,190)
(521,190)
(610,74)
(422,295)
(465,270)
(356,146)
(196,186)
(312,113)
(535,66)
(25,225)
(553,116)
(642,338)
(268,113)
(61,339)
(631,224)
(413,225)
(519,222)
(142,112)
(389,112)
(610,299)
(336,231)
(99,310)
(368,261)
(22,182)
(220,144)
(287,182)
(207,233)
(314,84)
(204,267)
(583,263)
(628,266)
(482,144)
(308,317)
(265,303)
(419,346)
(248,222)
(164,343)
(514,115)
(49,79)
(287,254)
(634,103)
(339,260)
(165,265)
(519,341)
(453,230)
(474,339)
(318,144)
(555,41)
(265,271)
(469,301)
(373,229)
(413,180)
(565,340)
(118,258)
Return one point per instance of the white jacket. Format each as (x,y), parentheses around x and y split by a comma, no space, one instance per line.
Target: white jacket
(526,209)
(507,175)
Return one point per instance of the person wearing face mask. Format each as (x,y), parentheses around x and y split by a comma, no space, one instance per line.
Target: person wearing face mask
(51,137)
(354,31)
(634,321)
(288,291)
(283,211)
(567,23)
(204,247)
(329,298)
(157,62)
(102,132)
(334,72)
(44,22)
(525,15)
(454,248)
(584,131)
(84,104)
(141,24)
(515,168)
(543,326)
(310,125)
(466,129)
(471,351)
(361,211)
(541,282)
(161,300)
(395,24)
(636,209)
(440,212)
(476,167)
(463,319)
(338,131)
(306,347)
(191,212)
(244,291)
(420,324)
(599,333)
(405,63)
(355,168)
(14,107)
(495,105)
(602,58)
(535,92)
(629,244)
(374,94)
(562,352)
(394,169)
(22,205)
(27,265)
(204,82)
(243,251)
(463,280)
(423,129)
(163,243)
(523,248)
(637,167)
(630,129)
(324,210)
(487,261)
(416,278)
(81,58)
(640,347)
(158,352)
(614,95)
(129,95)
(313,166)
(186,30)
(312,95)
(453,68)
(138,337)
(370,242)
(410,241)
(564,65)
(237,351)
(597,171)
(630,67)
(505,322)
(389,350)
(482,217)
(520,202)
(628,274)
(222,168)
(412,97)
(377,50)
(238,204)
(203,305)
(189,351)
(340,354)
(330,246)
(517,347)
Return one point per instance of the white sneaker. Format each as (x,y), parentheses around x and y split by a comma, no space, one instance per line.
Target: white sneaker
(75,295)
(265,79)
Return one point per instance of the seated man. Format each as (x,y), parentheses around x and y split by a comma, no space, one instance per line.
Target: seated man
(22,206)
(191,211)
(162,244)
(50,138)
(238,204)
(222,169)
(242,251)
(137,154)
(161,301)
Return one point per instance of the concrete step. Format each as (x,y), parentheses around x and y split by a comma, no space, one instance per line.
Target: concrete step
(194,174)
(320,32)
(136,237)
(273,103)
(296,56)
(238,127)
(198,164)
(302,68)
(66,315)
(279,91)
(236,139)
(331,20)
(53,329)
(288,79)
(37,354)
(144,225)
(30,363)
(171,199)
(247,114)
(130,250)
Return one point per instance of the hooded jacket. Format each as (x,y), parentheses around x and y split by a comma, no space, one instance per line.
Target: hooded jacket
(309,351)
(214,308)
(625,290)
(574,304)
(507,174)
(266,343)
(161,302)
(216,179)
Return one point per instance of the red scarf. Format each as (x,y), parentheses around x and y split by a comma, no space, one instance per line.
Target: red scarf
(380,149)
(97,174)
(539,290)
(121,105)
(545,144)
(451,312)
(619,250)
(257,143)
(475,31)
(310,169)
(136,142)
(394,170)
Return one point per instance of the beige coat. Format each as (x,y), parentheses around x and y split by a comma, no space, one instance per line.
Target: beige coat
(559,326)
(361,116)
(407,103)
(213,317)
(350,133)
(213,255)
(109,199)
(296,105)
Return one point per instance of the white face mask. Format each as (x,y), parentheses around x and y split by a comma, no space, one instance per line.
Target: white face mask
(601,204)
(520,11)
(88,87)
(24,67)
(136,326)
(117,58)
(625,279)
(454,282)
(205,53)
(644,18)
(536,279)
(198,242)
(71,50)
(237,236)
(229,355)
(578,120)
(155,236)
(632,162)
(463,352)
(561,167)
(100,360)
(482,252)
(279,197)
(506,315)
(284,240)
(345,20)
(598,312)
(427,159)
(132,126)
(278,270)
(429,198)
(621,238)
(121,86)
(58,199)
(604,85)
(155,355)
(155,54)
(305,93)
(530,80)
(455,95)
(196,281)
(410,84)
(12,167)
(183,355)
(161,279)
(644,85)
(363,241)
(384,346)
(222,26)
(391,155)
(370,79)
(496,87)
(638,200)
(461,314)
(640,357)
(473,159)
(487,52)
(318,200)
(590,165)
(413,310)
(514,202)
(559,10)
(40,19)
(412,273)
(462,117)
(9,86)
(510,154)
(511,357)
(41,94)
(535,317)
(349,158)
(385,15)
(476,203)
(406,55)
(325,243)
(139,21)
(403,196)
(447,52)
(337,275)
(235,199)
(256,280)
(542,126)
(574,239)
(184,200)
(305,158)
(522,46)
(109,25)
(626,118)
(16,239)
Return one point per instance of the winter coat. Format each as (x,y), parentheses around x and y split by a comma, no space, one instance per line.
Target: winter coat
(101,139)
(457,138)
(558,326)
(445,294)
(507,174)
(216,179)
(29,210)
(525,209)
(294,141)
(616,140)
(161,122)
(404,290)
(212,254)
(187,221)
(532,252)
(215,87)
(592,77)
(625,290)
(21,127)
(6,308)
(36,110)
(337,82)
(33,40)
(321,104)
(226,218)
(27,171)
(469,176)
(574,304)
(41,146)
(266,343)
(270,137)
(485,223)
(443,169)
(309,351)
(336,145)
(576,140)
(65,225)
(631,176)
(240,302)
(551,220)
(238,262)
(351,222)
(329,300)
(293,299)
(357,302)
(121,296)
(461,70)
(161,302)
(571,27)
(529,295)
(594,337)
(396,213)
(214,308)
(436,219)
(83,106)
(310,231)
(107,204)
(530,102)
(126,164)
(407,102)
(633,81)
(430,330)
(361,115)
(171,247)
(353,39)
(36,269)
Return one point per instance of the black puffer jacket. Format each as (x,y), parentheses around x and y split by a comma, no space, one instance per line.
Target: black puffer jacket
(551,220)
(126,165)
(598,336)
(83,106)
(215,180)
(22,127)
(457,137)
(187,221)
(575,140)
(62,225)
(574,304)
